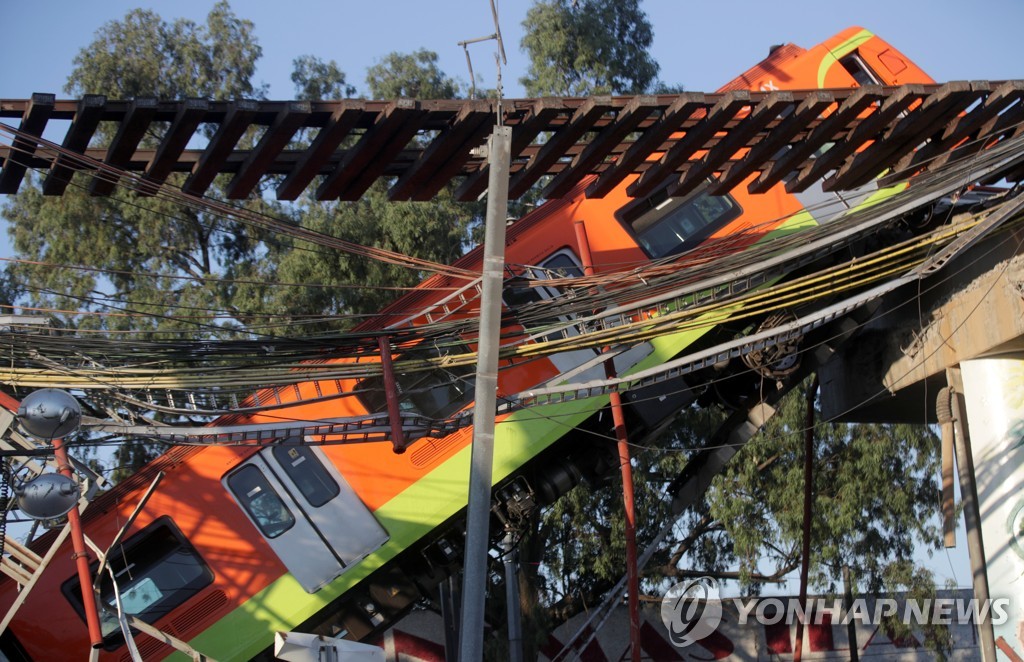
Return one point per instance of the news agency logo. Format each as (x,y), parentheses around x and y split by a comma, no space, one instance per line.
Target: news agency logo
(691,610)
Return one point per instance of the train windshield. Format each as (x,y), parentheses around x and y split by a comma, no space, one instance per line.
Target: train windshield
(665,226)
(861,72)
(561,264)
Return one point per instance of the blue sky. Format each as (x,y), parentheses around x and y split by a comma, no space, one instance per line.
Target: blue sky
(699,45)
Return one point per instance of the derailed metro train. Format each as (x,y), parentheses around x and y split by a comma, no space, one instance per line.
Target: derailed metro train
(237,543)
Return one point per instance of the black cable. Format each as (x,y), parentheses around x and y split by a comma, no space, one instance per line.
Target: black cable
(5,499)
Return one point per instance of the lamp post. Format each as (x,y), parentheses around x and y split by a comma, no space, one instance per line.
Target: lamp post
(51,414)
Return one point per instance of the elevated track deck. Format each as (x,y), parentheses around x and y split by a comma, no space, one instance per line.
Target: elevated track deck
(338,149)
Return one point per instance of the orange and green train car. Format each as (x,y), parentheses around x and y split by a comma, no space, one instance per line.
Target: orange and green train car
(237,543)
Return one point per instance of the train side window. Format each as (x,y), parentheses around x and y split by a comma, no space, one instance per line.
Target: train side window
(157,570)
(435,393)
(561,264)
(308,473)
(440,392)
(665,226)
(261,501)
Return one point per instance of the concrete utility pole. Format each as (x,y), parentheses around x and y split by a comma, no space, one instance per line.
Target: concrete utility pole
(478,509)
(972,514)
(986,384)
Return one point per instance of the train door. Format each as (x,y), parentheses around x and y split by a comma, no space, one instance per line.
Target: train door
(565,264)
(307,512)
(561,264)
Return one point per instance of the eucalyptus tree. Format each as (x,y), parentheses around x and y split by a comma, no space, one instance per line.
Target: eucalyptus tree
(586,47)
(414,75)
(875,508)
(150,266)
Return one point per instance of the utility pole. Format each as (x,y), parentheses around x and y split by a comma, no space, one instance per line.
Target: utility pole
(478,508)
(972,510)
(512,606)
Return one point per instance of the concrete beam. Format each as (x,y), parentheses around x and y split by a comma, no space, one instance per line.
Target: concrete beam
(891,370)
(985,318)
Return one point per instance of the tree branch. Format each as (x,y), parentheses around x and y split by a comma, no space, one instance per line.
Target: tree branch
(774,578)
(702,527)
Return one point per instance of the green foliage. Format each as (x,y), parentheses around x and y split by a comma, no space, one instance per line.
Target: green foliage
(410,75)
(919,584)
(661,87)
(143,55)
(10,292)
(586,47)
(159,260)
(315,79)
(345,287)
(874,497)
(576,551)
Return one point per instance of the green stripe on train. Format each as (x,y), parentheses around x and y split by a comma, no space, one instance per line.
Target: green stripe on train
(415,512)
(841,51)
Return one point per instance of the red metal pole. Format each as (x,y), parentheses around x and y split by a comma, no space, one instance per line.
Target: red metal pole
(391,394)
(627,498)
(626,467)
(584,243)
(81,556)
